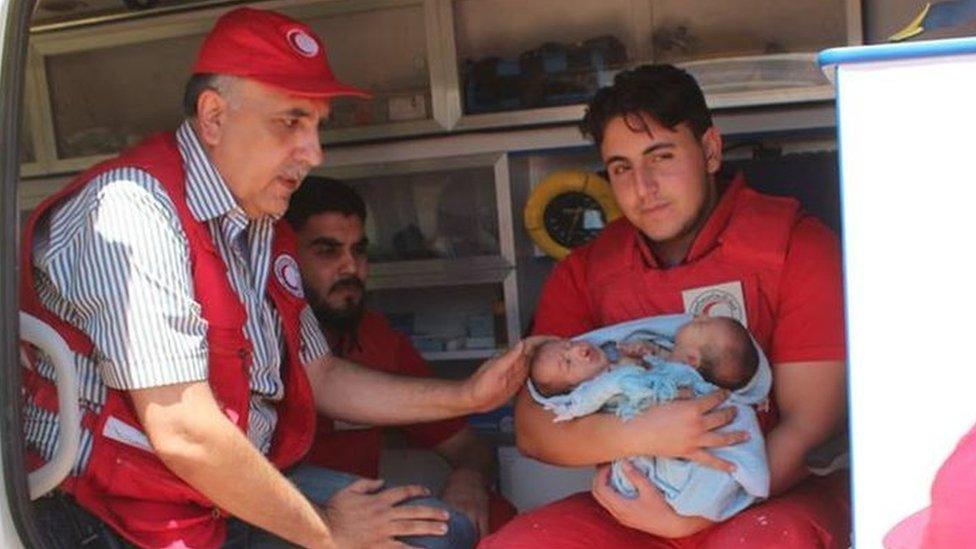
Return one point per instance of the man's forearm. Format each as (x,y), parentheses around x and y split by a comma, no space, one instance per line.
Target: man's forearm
(786,455)
(210,454)
(465,451)
(466,487)
(680,428)
(812,403)
(680,526)
(787,447)
(589,440)
(347,391)
(266,499)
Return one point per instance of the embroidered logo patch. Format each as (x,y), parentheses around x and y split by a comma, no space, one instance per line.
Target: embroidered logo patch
(303,43)
(719,300)
(286,271)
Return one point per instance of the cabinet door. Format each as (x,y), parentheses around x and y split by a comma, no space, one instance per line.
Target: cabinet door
(106,88)
(441,251)
(383,46)
(27,155)
(754,52)
(553,54)
(545,63)
(35,154)
(428,215)
(448,215)
(54,13)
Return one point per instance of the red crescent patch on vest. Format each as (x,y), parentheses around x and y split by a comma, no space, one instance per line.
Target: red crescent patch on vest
(724,299)
(288,275)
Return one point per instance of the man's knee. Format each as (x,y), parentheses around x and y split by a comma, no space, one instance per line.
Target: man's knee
(319,484)
(461,532)
(794,527)
(573,522)
(814,514)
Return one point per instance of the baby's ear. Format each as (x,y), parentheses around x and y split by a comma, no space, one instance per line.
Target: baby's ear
(693,358)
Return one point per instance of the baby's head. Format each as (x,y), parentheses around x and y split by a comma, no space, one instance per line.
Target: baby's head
(559,366)
(720,349)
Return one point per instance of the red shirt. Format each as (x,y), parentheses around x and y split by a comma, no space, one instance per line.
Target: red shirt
(807,306)
(357,451)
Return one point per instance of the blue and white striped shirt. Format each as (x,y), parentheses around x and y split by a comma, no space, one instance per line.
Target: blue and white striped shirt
(113,260)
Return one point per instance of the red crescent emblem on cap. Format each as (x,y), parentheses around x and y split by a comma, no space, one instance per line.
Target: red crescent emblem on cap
(303,43)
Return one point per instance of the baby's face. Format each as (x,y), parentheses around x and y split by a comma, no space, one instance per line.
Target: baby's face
(566,363)
(690,338)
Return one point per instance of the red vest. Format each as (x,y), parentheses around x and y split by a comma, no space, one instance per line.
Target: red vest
(750,249)
(128,487)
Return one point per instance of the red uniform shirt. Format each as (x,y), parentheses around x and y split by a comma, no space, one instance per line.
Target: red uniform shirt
(357,451)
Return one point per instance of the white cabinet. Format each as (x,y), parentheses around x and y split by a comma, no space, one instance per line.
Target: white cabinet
(28,154)
(107,98)
(101,87)
(544,64)
(391,48)
(434,66)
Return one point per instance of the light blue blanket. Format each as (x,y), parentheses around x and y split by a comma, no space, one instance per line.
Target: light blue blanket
(691,489)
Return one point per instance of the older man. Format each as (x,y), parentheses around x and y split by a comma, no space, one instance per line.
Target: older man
(201,366)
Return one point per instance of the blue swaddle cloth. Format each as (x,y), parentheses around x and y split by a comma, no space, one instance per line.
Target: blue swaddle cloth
(690,488)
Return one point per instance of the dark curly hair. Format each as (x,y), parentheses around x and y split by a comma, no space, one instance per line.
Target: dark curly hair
(665,92)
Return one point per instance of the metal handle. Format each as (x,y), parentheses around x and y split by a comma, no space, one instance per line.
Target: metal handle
(44,337)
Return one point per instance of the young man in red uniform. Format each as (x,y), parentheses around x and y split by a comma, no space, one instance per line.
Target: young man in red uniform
(692,240)
(329,219)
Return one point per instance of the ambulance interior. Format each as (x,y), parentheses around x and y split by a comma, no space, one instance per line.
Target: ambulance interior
(473,108)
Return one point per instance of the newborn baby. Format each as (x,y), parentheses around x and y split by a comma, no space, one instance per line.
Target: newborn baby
(626,368)
(720,349)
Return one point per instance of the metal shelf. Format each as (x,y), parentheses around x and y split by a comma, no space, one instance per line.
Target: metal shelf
(461,354)
(447,277)
(439,272)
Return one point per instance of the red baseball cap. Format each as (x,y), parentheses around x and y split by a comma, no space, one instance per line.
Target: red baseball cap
(270,48)
(948,522)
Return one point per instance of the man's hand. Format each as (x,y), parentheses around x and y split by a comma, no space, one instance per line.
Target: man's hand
(346,391)
(648,512)
(465,491)
(681,428)
(640,348)
(498,379)
(360,516)
(686,428)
